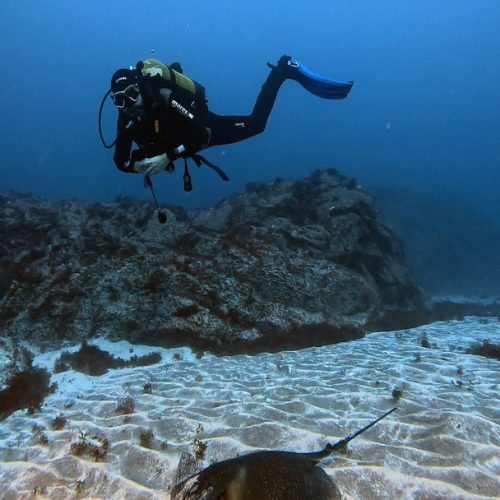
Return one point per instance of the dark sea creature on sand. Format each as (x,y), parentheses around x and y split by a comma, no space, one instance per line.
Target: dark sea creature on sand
(267,475)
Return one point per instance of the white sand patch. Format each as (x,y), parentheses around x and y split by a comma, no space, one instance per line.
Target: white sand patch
(443,442)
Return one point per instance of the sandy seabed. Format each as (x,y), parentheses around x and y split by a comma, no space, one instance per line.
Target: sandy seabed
(442,442)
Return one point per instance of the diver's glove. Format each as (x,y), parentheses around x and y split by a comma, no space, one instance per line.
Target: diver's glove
(151,166)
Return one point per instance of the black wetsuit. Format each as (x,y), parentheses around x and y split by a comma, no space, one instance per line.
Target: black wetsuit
(172,118)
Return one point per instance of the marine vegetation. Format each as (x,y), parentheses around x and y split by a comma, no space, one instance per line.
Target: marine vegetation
(397,393)
(94,361)
(199,448)
(39,434)
(95,447)
(59,422)
(80,486)
(424,341)
(125,406)
(25,389)
(146,438)
(486,349)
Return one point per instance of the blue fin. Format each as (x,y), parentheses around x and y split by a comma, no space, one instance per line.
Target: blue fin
(319,85)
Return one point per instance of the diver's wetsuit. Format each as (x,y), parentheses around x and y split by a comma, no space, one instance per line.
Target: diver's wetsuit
(171,119)
(234,128)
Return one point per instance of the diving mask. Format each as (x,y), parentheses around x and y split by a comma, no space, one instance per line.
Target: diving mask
(126,97)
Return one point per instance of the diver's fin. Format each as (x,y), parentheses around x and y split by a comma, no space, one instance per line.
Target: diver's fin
(321,86)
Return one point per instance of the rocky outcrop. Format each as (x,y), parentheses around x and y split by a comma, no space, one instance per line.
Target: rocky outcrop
(281,265)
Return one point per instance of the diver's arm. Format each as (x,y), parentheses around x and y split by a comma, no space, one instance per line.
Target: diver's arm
(123,146)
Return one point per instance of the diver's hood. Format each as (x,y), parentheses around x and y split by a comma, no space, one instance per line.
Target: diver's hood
(122,79)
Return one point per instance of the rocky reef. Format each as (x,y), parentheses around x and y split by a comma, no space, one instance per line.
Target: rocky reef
(282,265)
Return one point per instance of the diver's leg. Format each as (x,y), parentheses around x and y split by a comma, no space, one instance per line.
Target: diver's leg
(233,128)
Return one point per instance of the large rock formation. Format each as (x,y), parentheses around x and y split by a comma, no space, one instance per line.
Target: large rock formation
(284,264)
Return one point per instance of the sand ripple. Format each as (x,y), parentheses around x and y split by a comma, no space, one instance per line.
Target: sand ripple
(443,442)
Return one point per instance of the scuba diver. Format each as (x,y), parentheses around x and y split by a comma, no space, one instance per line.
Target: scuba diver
(165,114)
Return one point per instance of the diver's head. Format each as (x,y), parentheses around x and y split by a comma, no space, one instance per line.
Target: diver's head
(125,88)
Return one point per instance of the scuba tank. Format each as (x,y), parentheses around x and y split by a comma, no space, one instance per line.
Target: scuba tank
(179,83)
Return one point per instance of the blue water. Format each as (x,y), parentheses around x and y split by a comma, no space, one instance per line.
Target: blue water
(423,112)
